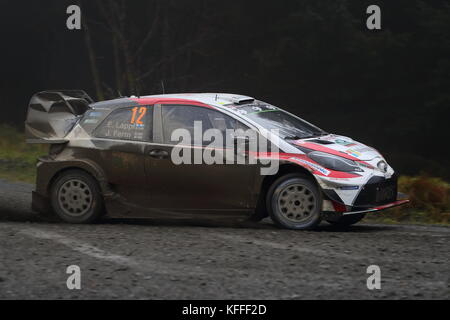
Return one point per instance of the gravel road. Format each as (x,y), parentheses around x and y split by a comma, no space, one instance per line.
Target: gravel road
(171,260)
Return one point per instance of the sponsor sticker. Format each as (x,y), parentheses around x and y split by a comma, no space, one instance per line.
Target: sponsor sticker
(363,149)
(314,166)
(353,153)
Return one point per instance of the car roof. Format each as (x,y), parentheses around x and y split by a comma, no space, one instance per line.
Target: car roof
(208,99)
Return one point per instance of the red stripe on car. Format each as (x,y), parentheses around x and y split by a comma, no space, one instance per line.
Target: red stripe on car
(153,101)
(289,157)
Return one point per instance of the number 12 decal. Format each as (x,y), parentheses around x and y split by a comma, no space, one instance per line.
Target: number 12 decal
(138,114)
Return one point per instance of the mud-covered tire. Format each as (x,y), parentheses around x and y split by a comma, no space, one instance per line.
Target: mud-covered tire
(76,197)
(294,202)
(346,221)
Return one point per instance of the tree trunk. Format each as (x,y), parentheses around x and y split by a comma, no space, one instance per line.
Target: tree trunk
(92,60)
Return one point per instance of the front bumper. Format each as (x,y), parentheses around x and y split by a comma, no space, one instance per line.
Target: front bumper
(376,194)
(380,208)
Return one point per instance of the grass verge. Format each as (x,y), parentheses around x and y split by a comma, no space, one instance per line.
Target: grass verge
(17,158)
(430,202)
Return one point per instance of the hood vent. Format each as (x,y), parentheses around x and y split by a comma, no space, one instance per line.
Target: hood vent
(323,142)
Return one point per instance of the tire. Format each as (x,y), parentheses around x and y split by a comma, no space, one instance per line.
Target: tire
(295,202)
(76,197)
(346,221)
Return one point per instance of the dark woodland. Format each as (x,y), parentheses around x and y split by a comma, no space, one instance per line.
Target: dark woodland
(387,88)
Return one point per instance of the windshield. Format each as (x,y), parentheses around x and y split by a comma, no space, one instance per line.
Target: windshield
(273,118)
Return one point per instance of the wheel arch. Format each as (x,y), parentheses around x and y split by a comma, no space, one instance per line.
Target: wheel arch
(284,169)
(84,165)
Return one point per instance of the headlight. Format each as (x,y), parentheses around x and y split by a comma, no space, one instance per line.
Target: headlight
(334,163)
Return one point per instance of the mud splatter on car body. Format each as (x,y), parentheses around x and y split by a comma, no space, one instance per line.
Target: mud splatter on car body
(137,182)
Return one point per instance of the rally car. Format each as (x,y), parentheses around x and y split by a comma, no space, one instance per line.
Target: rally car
(115,158)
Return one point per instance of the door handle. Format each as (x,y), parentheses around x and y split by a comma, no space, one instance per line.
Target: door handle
(159,154)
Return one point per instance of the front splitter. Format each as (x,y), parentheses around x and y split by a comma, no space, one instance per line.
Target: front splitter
(380,208)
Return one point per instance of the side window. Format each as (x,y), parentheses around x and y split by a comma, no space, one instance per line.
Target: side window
(132,124)
(184,117)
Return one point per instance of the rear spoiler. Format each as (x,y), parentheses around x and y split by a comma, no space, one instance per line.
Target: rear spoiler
(53,114)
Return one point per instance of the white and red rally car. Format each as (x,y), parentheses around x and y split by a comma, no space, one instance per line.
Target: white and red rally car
(114,157)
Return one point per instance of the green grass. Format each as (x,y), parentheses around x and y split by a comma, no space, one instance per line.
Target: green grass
(430,202)
(17,158)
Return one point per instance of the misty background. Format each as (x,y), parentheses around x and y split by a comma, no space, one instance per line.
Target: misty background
(388,89)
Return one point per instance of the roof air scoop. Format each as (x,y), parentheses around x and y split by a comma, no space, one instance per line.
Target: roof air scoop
(242,100)
(236,99)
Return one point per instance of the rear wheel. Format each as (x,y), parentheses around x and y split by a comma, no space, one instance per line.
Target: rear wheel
(76,197)
(295,202)
(348,220)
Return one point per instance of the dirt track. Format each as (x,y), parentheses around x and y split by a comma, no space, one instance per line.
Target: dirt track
(168,260)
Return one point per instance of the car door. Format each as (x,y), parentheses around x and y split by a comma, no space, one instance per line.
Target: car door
(120,142)
(189,186)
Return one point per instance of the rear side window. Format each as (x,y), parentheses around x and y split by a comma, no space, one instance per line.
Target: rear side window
(132,124)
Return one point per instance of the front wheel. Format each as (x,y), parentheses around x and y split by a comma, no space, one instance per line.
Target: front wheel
(295,202)
(76,197)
